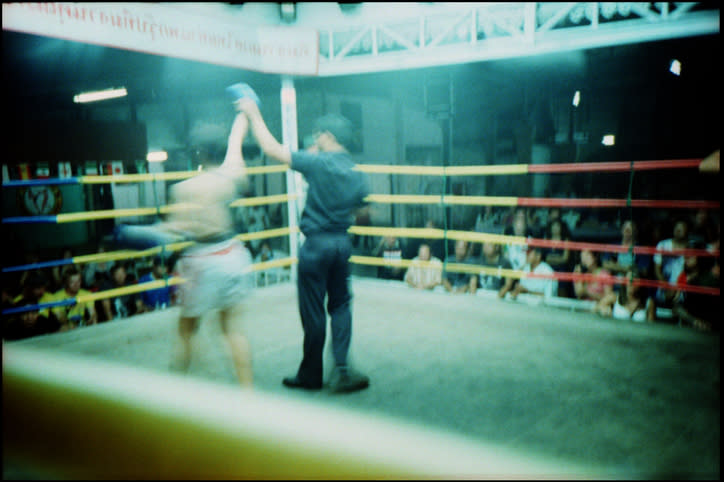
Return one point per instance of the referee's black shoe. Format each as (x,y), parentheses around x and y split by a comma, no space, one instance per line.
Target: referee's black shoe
(295,382)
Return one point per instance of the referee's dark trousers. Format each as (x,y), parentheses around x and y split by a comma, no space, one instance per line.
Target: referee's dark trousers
(323,269)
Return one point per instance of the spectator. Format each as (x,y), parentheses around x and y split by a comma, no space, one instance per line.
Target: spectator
(516,253)
(270,275)
(456,282)
(78,314)
(492,258)
(121,306)
(362,218)
(668,267)
(95,274)
(35,291)
(545,287)
(257,221)
(159,298)
(559,259)
(487,220)
(703,228)
(26,324)
(619,263)
(437,246)
(390,248)
(698,310)
(591,290)
(422,276)
(58,271)
(630,302)
(571,218)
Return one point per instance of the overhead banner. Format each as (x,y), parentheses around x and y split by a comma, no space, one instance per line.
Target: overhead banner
(165,30)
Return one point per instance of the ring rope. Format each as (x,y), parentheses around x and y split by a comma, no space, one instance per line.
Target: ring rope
(536,202)
(138,287)
(129,178)
(476,237)
(390,169)
(120,213)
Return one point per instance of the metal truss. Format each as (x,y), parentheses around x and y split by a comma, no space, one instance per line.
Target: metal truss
(459,33)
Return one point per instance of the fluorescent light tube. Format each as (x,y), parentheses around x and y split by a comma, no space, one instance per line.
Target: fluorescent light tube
(100,95)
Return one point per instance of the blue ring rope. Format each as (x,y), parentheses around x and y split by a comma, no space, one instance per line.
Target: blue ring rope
(42,182)
(44,264)
(53,219)
(41,306)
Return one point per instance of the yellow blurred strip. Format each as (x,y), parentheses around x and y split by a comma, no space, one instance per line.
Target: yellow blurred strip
(475,237)
(397,263)
(486,170)
(427,233)
(161,176)
(125,290)
(258,201)
(451,267)
(404,198)
(482,200)
(130,254)
(275,263)
(160,426)
(269,233)
(173,280)
(391,169)
(266,169)
(105,214)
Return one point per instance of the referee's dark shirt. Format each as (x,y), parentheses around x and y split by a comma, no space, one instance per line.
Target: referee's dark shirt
(335,191)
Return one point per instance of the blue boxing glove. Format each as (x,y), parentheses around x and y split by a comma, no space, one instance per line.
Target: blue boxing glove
(143,236)
(241,90)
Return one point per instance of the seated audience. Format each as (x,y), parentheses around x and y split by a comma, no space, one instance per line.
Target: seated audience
(390,248)
(159,298)
(516,253)
(620,263)
(545,287)
(668,267)
(457,282)
(270,275)
(35,291)
(27,324)
(629,302)
(422,276)
(58,271)
(121,306)
(95,274)
(591,290)
(559,259)
(492,258)
(78,314)
(699,310)
(487,220)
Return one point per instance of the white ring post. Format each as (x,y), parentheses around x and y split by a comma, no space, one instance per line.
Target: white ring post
(295,183)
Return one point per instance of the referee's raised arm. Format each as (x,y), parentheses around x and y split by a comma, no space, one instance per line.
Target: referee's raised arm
(264,138)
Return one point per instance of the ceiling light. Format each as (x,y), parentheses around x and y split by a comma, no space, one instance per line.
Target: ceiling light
(577,98)
(157,156)
(99,95)
(675,67)
(288,11)
(608,140)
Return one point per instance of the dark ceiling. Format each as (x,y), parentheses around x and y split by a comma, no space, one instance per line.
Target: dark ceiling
(52,70)
(41,74)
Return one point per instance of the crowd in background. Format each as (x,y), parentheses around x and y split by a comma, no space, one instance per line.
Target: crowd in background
(37,286)
(483,268)
(624,299)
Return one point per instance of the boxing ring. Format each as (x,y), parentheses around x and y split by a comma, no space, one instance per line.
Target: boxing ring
(461,387)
